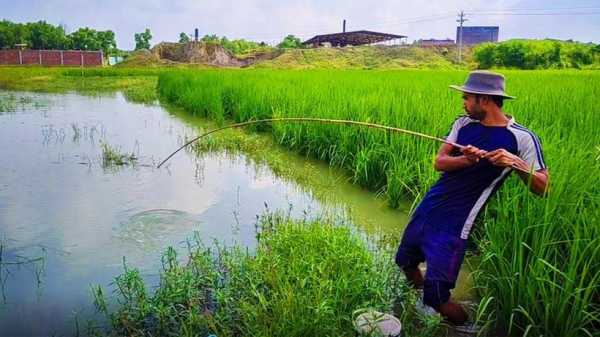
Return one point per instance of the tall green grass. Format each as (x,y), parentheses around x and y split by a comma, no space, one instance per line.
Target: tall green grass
(541,258)
(138,85)
(304,279)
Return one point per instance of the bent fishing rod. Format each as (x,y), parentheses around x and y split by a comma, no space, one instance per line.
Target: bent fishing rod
(319,120)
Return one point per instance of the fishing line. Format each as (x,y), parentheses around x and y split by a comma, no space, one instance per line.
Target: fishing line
(319,120)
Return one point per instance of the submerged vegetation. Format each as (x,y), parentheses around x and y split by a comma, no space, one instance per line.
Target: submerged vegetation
(113,156)
(304,279)
(540,263)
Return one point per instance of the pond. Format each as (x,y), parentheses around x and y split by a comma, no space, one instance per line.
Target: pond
(68,220)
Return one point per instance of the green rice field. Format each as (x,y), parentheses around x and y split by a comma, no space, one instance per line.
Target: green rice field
(539,270)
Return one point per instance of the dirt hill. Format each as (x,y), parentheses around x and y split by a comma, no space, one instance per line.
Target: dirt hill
(362,57)
(368,57)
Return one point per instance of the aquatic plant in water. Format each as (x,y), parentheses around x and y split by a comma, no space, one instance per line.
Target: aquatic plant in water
(113,156)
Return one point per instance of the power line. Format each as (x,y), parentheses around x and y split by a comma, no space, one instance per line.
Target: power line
(557,11)
(541,9)
(533,14)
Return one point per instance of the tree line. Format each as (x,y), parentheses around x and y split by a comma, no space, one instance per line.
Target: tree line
(537,54)
(241,46)
(42,35)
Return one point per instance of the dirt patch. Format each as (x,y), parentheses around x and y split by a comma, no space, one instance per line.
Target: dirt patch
(142,58)
(196,53)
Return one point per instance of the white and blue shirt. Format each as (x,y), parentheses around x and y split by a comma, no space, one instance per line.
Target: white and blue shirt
(457,197)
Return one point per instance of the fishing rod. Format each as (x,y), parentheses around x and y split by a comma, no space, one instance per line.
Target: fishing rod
(319,120)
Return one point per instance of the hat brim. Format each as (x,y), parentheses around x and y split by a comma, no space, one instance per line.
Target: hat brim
(471,91)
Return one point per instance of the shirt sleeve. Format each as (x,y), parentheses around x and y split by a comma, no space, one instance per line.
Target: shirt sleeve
(530,150)
(456,126)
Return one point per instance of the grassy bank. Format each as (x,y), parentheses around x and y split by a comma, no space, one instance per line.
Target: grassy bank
(367,57)
(138,85)
(304,279)
(541,262)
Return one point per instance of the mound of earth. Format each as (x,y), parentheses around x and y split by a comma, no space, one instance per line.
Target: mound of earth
(197,53)
(368,57)
(361,57)
(143,58)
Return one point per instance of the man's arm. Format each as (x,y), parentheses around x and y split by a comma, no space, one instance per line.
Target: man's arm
(446,163)
(536,180)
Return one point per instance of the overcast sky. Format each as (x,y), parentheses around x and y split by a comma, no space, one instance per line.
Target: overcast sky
(270,20)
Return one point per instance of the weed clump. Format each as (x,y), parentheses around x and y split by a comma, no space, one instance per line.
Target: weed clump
(113,156)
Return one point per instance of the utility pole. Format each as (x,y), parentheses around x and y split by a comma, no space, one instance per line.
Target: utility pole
(461,20)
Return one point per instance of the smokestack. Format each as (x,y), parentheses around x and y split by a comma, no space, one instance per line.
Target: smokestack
(196,34)
(344,26)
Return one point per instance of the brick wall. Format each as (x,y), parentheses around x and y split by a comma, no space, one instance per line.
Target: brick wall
(72,58)
(52,57)
(9,57)
(30,57)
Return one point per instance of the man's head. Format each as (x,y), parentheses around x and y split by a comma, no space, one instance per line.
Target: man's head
(482,92)
(477,106)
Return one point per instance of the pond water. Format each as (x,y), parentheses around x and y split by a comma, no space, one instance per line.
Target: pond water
(67,221)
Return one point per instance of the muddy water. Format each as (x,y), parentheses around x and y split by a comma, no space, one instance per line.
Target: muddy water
(67,219)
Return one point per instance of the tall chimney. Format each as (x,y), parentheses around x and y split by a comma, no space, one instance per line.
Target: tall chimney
(196,34)
(344,26)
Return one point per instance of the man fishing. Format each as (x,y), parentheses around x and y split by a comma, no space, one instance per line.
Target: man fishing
(438,231)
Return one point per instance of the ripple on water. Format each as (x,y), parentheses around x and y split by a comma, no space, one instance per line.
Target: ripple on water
(152,228)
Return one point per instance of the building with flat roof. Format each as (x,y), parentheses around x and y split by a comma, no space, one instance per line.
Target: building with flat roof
(356,38)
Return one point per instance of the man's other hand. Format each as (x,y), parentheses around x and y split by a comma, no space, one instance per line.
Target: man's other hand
(503,158)
(472,153)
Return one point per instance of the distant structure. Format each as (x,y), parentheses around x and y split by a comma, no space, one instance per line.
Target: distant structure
(477,34)
(435,42)
(356,38)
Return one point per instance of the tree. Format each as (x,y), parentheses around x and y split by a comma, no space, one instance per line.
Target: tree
(142,40)
(43,35)
(9,34)
(290,41)
(183,38)
(90,39)
(108,44)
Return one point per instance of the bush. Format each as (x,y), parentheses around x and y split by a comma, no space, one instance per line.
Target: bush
(535,54)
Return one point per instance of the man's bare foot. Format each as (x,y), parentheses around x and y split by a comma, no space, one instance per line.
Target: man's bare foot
(453,312)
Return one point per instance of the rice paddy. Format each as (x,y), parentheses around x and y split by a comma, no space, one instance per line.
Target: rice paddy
(540,266)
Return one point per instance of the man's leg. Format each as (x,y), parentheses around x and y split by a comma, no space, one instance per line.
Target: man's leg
(409,253)
(444,254)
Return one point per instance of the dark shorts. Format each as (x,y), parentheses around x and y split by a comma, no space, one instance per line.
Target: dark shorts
(426,240)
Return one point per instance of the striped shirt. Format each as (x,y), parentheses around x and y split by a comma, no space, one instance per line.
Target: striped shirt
(457,197)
